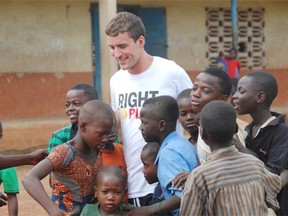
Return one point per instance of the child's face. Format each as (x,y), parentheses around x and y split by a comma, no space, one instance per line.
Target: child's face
(75,99)
(232,55)
(110,192)
(245,98)
(150,169)
(149,126)
(187,117)
(206,88)
(96,133)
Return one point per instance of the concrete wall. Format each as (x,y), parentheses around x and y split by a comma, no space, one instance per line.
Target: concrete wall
(46,48)
(45,37)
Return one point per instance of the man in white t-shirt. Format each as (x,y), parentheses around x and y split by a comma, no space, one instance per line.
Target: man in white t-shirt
(141,76)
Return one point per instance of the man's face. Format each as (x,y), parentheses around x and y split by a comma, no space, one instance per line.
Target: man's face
(206,88)
(125,50)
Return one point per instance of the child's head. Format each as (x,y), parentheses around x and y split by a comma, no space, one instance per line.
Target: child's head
(211,84)
(1,130)
(218,123)
(76,97)
(188,118)
(256,89)
(233,53)
(111,188)
(158,117)
(96,120)
(126,22)
(148,157)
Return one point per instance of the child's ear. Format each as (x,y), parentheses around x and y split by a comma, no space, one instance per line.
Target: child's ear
(162,125)
(82,126)
(203,133)
(224,98)
(95,192)
(261,96)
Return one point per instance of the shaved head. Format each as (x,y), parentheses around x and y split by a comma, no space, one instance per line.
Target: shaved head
(95,110)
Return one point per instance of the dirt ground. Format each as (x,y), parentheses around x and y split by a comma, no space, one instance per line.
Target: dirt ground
(22,136)
(27,206)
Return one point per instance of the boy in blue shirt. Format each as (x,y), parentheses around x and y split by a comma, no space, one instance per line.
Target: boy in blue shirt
(158,117)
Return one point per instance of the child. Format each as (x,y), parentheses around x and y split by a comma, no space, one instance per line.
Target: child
(76,97)
(230,182)
(9,179)
(232,67)
(158,124)
(188,118)
(110,190)
(148,157)
(211,84)
(73,165)
(268,133)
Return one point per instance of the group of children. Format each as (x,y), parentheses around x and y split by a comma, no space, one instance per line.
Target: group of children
(204,174)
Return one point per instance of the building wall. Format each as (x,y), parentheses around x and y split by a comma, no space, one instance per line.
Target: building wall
(46,48)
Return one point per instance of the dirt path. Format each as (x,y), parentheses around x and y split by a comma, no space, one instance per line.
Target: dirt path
(27,206)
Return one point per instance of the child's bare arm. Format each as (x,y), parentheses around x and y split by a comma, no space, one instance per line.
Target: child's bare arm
(22,159)
(12,204)
(284,177)
(32,184)
(161,208)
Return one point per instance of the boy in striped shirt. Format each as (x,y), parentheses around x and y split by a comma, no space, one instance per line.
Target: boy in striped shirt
(230,182)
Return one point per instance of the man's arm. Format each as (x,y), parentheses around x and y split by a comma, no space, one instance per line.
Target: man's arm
(22,159)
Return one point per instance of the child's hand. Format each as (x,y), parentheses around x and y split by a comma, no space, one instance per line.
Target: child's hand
(180,179)
(3,199)
(38,155)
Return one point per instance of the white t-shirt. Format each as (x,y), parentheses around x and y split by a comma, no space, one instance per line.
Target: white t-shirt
(128,93)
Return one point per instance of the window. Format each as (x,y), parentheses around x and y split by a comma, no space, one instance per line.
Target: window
(251,38)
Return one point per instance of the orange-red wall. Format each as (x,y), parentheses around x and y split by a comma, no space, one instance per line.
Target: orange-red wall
(33,95)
